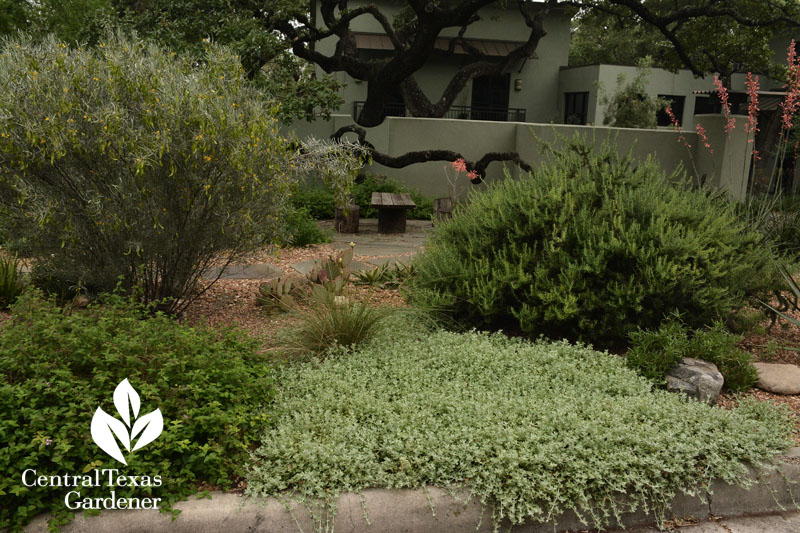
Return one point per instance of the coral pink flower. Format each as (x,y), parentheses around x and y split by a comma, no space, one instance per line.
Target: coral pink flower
(459,165)
(472,175)
(791,103)
(752,108)
(677,126)
(701,132)
(722,92)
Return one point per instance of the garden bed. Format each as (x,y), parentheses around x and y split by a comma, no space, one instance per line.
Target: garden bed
(533,428)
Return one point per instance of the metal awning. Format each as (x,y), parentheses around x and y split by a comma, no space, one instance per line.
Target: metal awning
(379,41)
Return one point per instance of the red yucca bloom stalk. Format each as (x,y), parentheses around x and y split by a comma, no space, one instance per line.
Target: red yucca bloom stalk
(677,126)
(752,111)
(791,103)
(722,92)
(701,132)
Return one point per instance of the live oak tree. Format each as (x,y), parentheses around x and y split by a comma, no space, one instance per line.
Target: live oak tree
(619,36)
(741,28)
(274,38)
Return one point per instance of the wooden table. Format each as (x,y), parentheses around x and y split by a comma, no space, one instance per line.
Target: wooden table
(392,209)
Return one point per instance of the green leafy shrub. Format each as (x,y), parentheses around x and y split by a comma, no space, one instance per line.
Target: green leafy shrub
(126,160)
(653,353)
(372,183)
(717,345)
(320,203)
(11,281)
(589,247)
(57,368)
(630,106)
(300,229)
(315,199)
(532,429)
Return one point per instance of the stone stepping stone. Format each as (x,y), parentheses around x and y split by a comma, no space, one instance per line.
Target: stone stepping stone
(778,378)
(305,267)
(258,271)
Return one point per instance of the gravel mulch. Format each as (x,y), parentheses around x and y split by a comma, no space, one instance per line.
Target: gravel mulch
(232,302)
(729,401)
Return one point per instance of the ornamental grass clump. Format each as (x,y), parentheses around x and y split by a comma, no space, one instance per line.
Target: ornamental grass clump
(128,160)
(531,429)
(589,247)
(332,319)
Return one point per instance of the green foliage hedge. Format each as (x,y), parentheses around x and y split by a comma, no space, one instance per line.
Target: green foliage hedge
(653,353)
(319,200)
(533,429)
(300,229)
(589,247)
(57,367)
(128,160)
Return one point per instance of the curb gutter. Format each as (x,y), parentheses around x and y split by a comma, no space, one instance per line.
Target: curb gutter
(410,511)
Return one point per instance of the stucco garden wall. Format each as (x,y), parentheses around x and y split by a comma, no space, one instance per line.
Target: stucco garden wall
(397,135)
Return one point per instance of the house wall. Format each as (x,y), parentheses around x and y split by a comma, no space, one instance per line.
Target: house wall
(473,138)
(539,95)
(682,83)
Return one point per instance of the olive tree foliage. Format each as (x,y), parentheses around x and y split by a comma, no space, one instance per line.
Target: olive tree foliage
(630,106)
(129,162)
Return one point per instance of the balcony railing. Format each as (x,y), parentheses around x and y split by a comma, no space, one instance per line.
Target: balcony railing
(462,112)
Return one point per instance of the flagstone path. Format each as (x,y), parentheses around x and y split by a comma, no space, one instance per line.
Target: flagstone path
(371,249)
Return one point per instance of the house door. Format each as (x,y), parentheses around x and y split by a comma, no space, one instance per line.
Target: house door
(490,97)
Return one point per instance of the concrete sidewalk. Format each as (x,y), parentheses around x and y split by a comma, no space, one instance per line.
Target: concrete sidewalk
(437,510)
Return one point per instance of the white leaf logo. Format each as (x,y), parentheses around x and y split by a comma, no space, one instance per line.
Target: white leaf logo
(105,427)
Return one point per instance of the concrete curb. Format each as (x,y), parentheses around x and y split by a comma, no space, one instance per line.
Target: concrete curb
(420,511)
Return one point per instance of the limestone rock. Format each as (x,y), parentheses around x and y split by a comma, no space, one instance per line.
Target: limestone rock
(699,379)
(778,378)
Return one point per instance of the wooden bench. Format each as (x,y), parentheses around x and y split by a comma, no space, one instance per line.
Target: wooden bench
(392,209)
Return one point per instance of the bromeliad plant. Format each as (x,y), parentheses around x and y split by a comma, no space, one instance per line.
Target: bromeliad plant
(384,276)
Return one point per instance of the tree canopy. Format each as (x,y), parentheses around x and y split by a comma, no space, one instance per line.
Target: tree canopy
(278,42)
(701,35)
(737,42)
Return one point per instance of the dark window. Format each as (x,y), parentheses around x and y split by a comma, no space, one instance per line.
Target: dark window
(707,105)
(576,106)
(394,106)
(490,97)
(676,104)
